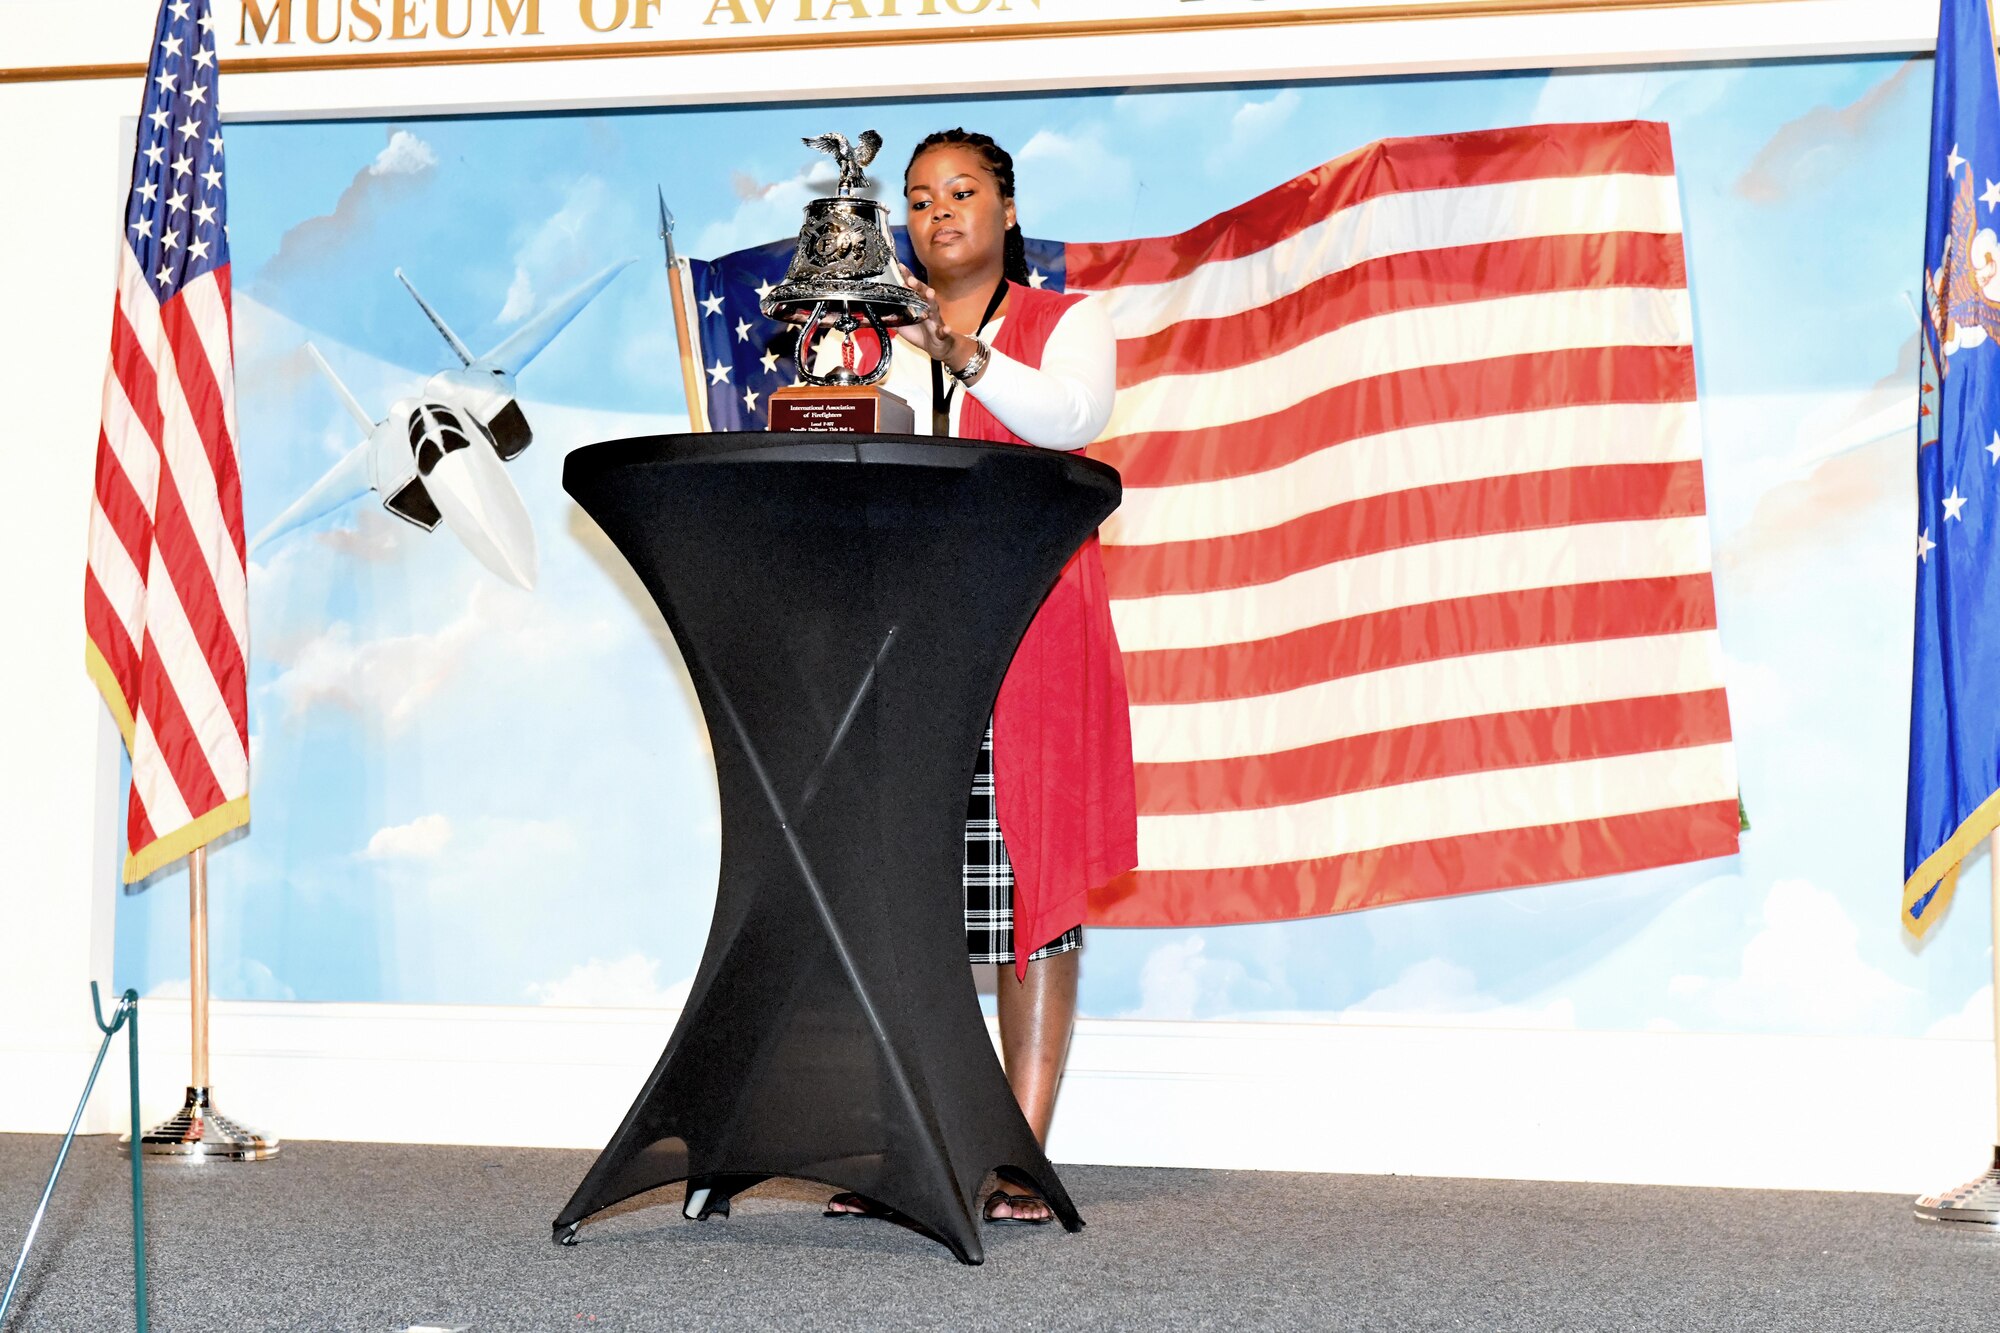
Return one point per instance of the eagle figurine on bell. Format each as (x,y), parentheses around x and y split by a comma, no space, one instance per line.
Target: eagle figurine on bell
(843,275)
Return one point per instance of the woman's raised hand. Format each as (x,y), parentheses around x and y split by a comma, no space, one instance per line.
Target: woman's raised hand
(929,335)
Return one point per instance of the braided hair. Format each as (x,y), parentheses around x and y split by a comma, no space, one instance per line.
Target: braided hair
(998,161)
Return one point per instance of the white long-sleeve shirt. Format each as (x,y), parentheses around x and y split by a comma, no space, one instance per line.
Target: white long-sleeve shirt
(1064,405)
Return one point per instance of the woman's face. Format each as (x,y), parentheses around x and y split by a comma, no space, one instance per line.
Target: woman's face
(958,222)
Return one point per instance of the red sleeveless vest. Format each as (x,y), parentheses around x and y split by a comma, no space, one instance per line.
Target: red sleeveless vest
(1062,731)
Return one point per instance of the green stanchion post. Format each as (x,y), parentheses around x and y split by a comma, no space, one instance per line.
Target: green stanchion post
(130,1002)
(127,1011)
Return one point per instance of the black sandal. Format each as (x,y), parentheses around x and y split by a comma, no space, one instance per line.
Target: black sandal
(993,1218)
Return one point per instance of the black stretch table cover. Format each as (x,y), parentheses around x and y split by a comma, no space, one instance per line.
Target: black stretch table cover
(847,606)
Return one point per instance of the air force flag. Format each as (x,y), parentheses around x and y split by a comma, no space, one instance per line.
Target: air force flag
(1954,799)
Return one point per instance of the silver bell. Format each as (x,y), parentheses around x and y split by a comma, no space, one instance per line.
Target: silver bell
(844,273)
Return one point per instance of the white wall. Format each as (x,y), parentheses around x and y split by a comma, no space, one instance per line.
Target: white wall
(1679,1108)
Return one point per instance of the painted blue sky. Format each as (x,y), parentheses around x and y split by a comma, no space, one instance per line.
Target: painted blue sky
(469,794)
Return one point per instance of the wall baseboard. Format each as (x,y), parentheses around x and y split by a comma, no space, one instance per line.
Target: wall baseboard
(1902,1115)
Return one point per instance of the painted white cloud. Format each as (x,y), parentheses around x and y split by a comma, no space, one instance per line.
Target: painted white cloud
(404,155)
(520,298)
(392,679)
(1079,165)
(1802,971)
(234,979)
(1762,696)
(402,167)
(1972,1023)
(419,840)
(1152,107)
(1252,124)
(1177,981)
(772,210)
(486,856)
(1576,97)
(559,251)
(631,982)
(1440,993)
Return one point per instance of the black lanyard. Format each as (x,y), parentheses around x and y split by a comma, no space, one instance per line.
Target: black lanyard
(940,395)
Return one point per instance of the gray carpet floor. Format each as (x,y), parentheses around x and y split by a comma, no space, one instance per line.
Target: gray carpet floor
(362,1237)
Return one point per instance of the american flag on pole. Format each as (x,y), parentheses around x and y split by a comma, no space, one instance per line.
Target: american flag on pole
(165,607)
(1412,574)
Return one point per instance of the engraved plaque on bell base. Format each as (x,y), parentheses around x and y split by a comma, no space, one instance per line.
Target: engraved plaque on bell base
(860,408)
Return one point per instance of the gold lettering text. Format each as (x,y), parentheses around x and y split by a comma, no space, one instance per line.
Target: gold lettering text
(854,9)
(588,8)
(404,13)
(511,11)
(313,8)
(444,19)
(737,14)
(642,10)
(364,11)
(261,17)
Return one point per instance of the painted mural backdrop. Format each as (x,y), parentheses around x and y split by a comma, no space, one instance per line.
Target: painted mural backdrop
(470,792)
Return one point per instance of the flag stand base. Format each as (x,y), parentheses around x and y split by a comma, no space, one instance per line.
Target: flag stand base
(1975,1204)
(198,1130)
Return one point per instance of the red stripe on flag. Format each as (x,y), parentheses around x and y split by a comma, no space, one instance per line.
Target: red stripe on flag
(1520,502)
(204,402)
(134,369)
(225,288)
(1391,166)
(1436,750)
(1425,396)
(1508,859)
(107,631)
(1410,280)
(194,584)
(123,509)
(139,833)
(179,746)
(1427,632)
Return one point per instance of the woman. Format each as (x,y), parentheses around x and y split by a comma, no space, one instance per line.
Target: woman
(1051,814)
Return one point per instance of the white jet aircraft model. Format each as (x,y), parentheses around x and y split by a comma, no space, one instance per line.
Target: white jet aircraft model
(438,457)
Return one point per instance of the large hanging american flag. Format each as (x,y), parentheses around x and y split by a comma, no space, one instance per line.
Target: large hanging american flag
(1412,573)
(165,609)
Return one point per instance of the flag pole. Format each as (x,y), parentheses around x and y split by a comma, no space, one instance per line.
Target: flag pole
(697,400)
(198,966)
(198,1130)
(1976,1203)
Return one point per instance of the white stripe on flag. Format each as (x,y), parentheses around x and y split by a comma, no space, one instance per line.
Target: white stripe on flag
(1653,548)
(1451,807)
(137,451)
(203,298)
(190,677)
(187,463)
(1405,340)
(1400,460)
(1557,676)
(117,575)
(1399,224)
(152,782)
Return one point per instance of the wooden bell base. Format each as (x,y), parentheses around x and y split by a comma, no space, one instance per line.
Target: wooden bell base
(864,408)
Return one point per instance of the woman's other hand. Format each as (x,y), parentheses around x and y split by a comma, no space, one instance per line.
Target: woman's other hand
(929,335)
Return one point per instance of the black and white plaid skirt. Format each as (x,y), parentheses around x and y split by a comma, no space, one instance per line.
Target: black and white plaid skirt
(989,877)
